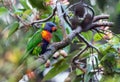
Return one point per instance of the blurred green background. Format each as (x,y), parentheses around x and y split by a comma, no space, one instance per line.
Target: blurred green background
(12,48)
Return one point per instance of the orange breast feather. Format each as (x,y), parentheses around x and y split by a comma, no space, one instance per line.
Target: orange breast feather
(46,35)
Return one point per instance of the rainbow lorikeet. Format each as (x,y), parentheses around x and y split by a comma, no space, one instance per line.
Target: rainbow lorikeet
(41,39)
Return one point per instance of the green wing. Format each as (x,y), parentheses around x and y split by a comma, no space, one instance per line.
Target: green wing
(32,45)
(34,40)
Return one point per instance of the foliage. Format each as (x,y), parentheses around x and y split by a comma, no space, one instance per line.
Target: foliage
(16,30)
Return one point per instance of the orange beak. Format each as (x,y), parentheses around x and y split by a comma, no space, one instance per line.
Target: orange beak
(54,29)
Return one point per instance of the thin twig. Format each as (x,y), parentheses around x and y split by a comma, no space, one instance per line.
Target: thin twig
(78,54)
(87,43)
(83,70)
(46,19)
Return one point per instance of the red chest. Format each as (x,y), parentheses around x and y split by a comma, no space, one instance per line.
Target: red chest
(46,35)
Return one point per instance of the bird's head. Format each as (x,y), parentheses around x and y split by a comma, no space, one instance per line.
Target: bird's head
(50,26)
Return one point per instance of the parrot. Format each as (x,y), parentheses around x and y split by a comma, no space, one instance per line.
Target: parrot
(38,43)
(40,40)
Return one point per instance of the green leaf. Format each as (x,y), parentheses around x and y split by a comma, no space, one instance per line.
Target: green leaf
(68,30)
(3,10)
(96,60)
(109,57)
(18,12)
(118,7)
(39,4)
(104,49)
(117,70)
(114,40)
(85,55)
(98,36)
(56,19)
(116,46)
(59,67)
(57,36)
(26,13)
(109,62)
(24,3)
(89,74)
(47,0)
(88,35)
(34,40)
(110,78)
(78,72)
(13,28)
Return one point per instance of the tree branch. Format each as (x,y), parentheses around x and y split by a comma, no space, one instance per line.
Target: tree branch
(78,54)
(62,21)
(97,24)
(99,17)
(54,47)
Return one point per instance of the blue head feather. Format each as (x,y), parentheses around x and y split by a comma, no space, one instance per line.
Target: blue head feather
(49,25)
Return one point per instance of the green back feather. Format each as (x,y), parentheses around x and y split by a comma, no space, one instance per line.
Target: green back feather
(34,40)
